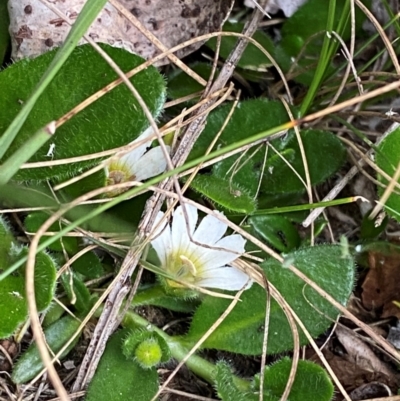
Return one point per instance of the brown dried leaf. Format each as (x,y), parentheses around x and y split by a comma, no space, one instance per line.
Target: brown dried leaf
(350,374)
(359,353)
(36,29)
(381,285)
(370,390)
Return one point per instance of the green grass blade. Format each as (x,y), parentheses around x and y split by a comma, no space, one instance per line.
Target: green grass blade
(307,206)
(323,62)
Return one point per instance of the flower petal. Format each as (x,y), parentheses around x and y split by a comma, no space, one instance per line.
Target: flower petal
(131,158)
(162,242)
(135,154)
(225,278)
(180,235)
(210,258)
(150,164)
(210,230)
(147,132)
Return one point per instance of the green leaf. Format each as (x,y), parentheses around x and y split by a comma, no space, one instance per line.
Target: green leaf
(250,118)
(57,335)
(243,330)
(14,308)
(77,292)
(87,15)
(45,278)
(13,303)
(252,58)
(230,196)
(304,32)
(311,18)
(324,152)
(35,220)
(226,387)
(88,265)
(276,230)
(32,195)
(6,242)
(180,84)
(156,296)
(53,313)
(372,228)
(112,121)
(118,378)
(388,158)
(22,155)
(311,382)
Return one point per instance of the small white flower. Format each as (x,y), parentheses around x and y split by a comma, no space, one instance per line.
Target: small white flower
(137,165)
(202,266)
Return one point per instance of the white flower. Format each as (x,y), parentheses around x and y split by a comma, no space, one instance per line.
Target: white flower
(202,266)
(137,165)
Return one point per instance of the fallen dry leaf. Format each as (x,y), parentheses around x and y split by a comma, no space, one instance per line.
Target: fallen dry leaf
(350,375)
(359,353)
(36,29)
(381,285)
(370,390)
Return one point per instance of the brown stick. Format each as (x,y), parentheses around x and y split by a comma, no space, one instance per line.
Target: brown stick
(110,317)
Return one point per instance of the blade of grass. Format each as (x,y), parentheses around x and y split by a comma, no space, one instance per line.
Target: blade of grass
(323,62)
(89,12)
(307,206)
(23,154)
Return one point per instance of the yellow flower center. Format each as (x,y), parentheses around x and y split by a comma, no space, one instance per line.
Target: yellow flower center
(117,174)
(183,269)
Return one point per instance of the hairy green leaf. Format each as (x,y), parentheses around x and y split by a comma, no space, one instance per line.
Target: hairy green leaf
(243,330)
(388,159)
(230,196)
(113,120)
(276,230)
(57,335)
(77,292)
(35,220)
(311,382)
(13,303)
